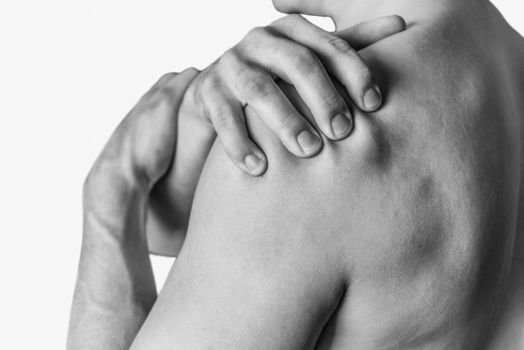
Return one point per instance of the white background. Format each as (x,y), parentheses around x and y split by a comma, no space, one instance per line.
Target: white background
(69,71)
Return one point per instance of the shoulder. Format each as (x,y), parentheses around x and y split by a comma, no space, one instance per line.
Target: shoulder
(443,146)
(439,102)
(441,153)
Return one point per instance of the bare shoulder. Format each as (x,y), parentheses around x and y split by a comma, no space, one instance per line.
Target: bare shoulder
(418,205)
(410,213)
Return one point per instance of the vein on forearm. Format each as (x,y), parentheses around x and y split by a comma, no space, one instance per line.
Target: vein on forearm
(115,289)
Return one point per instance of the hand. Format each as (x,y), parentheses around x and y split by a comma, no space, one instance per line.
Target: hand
(115,287)
(303,55)
(204,108)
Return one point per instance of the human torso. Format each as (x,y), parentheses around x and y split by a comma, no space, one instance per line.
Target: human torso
(398,237)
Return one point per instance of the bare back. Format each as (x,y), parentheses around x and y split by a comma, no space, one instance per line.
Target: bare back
(400,236)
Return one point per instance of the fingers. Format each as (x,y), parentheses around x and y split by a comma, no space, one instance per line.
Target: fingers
(227,117)
(299,66)
(259,90)
(156,125)
(339,58)
(142,146)
(304,56)
(240,84)
(366,33)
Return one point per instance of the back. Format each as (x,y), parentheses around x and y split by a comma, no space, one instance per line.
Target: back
(399,236)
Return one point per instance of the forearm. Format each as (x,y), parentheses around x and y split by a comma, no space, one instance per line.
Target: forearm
(115,287)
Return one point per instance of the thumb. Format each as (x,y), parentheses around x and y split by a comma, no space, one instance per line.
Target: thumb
(364,34)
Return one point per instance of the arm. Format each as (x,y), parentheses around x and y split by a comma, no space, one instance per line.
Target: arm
(115,288)
(386,224)
(259,268)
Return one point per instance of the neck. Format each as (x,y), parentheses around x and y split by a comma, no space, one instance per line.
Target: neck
(346,13)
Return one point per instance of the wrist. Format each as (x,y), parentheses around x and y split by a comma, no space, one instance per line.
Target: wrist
(113,176)
(116,198)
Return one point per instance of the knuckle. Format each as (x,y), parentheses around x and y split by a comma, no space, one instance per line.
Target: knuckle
(236,147)
(256,86)
(148,107)
(290,123)
(279,22)
(192,102)
(302,57)
(332,102)
(308,64)
(191,70)
(230,58)
(217,107)
(363,76)
(256,33)
(209,85)
(166,77)
(162,94)
(210,96)
(192,93)
(223,124)
(163,80)
(340,45)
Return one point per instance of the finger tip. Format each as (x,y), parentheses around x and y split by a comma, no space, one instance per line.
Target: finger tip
(342,136)
(372,99)
(260,170)
(254,164)
(312,152)
(309,144)
(398,23)
(341,126)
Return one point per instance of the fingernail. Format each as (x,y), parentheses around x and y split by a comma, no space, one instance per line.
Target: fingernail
(341,125)
(254,164)
(307,141)
(372,99)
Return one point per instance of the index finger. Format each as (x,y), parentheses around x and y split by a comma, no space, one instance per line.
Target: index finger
(339,56)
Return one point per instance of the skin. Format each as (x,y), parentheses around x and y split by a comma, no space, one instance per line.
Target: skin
(156,154)
(421,245)
(292,49)
(407,235)
(303,55)
(115,287)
